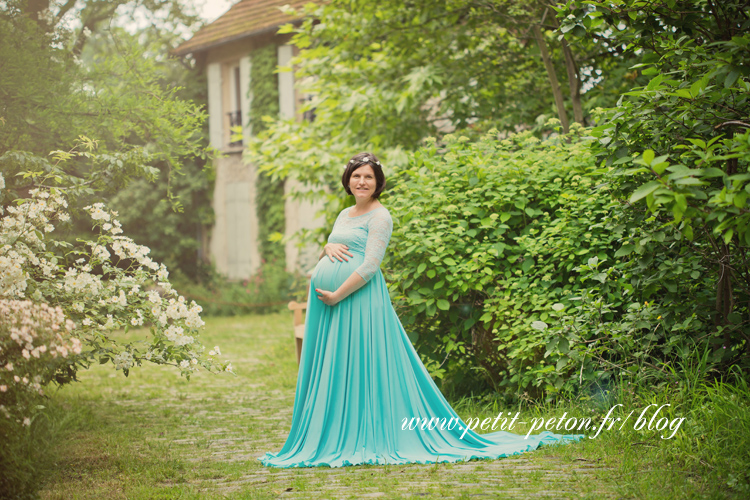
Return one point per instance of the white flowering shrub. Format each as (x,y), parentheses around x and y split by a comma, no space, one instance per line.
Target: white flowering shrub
(102,286)
(36,343)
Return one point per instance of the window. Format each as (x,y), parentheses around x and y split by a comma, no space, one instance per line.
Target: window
(235,106)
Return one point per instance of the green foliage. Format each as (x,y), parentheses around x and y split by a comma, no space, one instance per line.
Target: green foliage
(264,87)
(681,144)
(170,213)
(108,104)
(92,295)
(724,435)
(118,90)
(27,452)
(514,263)
(607,333)
(269,200)
(268,290)
(407,72)
(489,236)
(140,108)
(37,343)
(711,442)
(643,276)
(120,101)
(174,237)
(97,291)
(428,62)
(30,119)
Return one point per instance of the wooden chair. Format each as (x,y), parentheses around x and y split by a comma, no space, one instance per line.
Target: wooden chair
(299,325)
(297,321)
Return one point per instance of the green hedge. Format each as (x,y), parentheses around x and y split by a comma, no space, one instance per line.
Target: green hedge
(488,238)
(514,268)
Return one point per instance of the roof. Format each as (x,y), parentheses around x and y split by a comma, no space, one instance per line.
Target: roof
(244,19)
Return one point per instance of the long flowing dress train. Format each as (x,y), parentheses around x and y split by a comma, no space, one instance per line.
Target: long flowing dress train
(360,377)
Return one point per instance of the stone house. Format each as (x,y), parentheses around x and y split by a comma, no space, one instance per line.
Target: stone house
(226,49)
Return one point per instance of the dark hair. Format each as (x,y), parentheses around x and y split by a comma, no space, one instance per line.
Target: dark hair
(364,159)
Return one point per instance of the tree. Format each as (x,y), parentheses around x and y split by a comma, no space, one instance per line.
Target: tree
(385,75)
(114,115)
(144,109)
(85,110)
(51,96)
(680,141)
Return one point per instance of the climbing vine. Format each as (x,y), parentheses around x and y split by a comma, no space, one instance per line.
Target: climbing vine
(264,89)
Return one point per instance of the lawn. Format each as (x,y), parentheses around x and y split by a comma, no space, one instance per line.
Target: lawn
(156,435)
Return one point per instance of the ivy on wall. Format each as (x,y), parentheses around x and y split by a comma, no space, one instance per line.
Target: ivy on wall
(264,88)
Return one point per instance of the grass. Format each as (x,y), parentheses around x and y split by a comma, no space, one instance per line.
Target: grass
(153,435)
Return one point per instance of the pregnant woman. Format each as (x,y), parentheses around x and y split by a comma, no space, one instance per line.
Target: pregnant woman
(359,375)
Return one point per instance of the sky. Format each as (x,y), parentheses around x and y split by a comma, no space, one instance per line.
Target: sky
(209,10)
(212,9)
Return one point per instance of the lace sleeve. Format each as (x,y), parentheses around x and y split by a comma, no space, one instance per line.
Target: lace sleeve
(378,235)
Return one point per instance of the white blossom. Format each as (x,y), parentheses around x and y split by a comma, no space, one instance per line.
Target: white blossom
(99,214)
(123,360)
(154,297)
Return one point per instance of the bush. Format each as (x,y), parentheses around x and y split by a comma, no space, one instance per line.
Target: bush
(489,236)
(94,287)
(36,343)
(268,290)
(679,148)
(96,290)
(516,268)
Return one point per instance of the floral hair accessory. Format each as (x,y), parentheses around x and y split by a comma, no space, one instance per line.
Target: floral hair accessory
(366,159)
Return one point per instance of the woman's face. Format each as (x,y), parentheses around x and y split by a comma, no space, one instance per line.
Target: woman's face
(362,183)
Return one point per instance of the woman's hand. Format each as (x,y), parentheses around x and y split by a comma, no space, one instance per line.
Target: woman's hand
(351,285)
(328,298)
(338,251)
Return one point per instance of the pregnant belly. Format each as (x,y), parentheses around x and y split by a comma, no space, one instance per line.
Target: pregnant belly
(330,275)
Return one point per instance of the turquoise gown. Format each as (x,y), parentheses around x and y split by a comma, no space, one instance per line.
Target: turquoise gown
(360,377)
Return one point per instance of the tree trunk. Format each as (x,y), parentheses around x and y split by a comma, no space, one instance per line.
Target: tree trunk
(574,76)
(574,80)
(724,295)
(552,78)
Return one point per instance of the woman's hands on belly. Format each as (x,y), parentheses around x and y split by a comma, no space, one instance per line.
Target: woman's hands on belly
(352,284)
(335,280)
(327,297)
(339,251)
